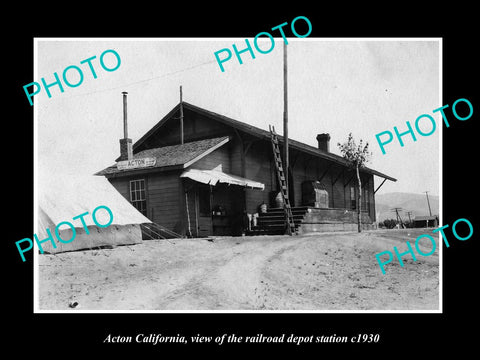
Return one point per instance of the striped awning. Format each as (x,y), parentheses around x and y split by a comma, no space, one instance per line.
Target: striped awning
(213,177)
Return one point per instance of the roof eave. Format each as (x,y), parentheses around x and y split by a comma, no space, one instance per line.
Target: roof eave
(141,171)
(119,173)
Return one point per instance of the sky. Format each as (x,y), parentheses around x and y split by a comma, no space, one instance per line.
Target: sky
(335,86)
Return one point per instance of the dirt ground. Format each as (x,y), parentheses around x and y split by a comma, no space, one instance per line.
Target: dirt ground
(328,271)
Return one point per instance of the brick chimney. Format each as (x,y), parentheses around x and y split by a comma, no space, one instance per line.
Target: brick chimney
(126,152)
(324,142)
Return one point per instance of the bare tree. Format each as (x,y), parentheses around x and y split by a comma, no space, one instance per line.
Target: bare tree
(357,156)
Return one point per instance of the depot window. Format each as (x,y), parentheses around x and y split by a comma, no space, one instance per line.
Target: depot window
(137,195)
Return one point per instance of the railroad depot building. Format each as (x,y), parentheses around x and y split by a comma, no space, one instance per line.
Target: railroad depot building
(207,174)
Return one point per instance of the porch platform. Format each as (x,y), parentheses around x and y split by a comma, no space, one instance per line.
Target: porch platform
(309,219)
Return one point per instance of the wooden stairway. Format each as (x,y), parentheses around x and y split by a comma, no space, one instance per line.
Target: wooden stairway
(273,221)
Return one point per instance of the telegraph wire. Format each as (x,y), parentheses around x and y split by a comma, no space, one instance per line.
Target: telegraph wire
(140,81)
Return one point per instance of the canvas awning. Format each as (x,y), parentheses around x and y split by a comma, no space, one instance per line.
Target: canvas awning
(213,177)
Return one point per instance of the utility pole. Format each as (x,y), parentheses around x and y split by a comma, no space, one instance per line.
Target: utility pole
(285,118)
(409,218)
(399,219)
(181,116)
(428,202)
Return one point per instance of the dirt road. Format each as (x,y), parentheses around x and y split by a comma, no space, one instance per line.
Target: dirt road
(335,271)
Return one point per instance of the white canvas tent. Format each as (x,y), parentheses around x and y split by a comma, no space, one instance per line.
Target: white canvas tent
(63,197)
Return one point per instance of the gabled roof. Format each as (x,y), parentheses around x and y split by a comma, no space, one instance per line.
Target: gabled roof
(257,132)
(174,156)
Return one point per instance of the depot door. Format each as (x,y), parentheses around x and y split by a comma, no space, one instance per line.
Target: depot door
(204,210)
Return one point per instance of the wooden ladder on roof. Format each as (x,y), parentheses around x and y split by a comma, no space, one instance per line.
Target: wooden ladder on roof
(290,225)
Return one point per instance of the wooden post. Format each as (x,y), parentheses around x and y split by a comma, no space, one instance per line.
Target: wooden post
(196,210)
(181,116)
(183,207)
(379,186)
(285,118)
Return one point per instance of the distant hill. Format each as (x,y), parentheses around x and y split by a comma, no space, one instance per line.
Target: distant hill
(416,203)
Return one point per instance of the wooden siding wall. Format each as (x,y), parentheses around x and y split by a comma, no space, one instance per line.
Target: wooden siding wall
(303,168)
(371,198)
(195,127)
(299,175)
(259,167)
(235,146)
(122,185)
(336,197)
(218,159)
(163,196)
